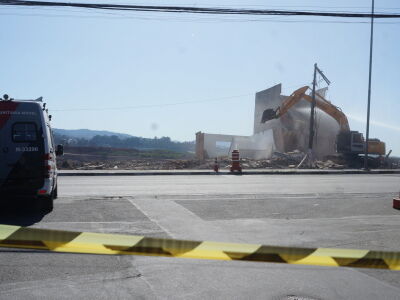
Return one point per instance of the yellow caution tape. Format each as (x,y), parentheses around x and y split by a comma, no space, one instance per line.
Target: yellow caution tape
(98,243)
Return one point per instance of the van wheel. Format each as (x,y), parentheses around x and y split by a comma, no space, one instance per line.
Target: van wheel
(55,193)
(46,204)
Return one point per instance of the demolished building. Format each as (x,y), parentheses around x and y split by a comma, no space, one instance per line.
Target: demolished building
(257,146)
(288,133)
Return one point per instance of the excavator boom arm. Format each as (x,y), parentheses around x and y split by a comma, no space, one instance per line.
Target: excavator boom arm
(320,102)
(291,100)
(331,110)
(295,97)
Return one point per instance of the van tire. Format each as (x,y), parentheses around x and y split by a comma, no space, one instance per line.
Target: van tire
(55,193)
(46,204)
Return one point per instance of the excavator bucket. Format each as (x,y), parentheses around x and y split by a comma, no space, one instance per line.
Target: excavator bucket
(268,114)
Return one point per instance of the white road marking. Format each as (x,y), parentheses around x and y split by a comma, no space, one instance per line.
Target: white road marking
(178,221)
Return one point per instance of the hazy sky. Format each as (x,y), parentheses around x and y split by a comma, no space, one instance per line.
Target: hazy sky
(136,63)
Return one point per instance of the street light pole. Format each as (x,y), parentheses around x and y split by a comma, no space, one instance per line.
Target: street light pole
(369,86)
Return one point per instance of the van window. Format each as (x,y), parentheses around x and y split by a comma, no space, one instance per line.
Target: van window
(24,132)
(50,135)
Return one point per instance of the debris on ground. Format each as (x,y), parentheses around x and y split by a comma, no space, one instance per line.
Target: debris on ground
(328,165)
(278,160)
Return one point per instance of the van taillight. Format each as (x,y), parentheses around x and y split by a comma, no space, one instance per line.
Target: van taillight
(47,166)
(47,156)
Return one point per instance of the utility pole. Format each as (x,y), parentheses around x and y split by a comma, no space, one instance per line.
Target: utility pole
(312,115)
(311,135)
(369,86)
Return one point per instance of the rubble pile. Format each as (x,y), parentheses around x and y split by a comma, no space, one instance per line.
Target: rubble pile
(130,164)
(277,161)
(92,158)
(328,165)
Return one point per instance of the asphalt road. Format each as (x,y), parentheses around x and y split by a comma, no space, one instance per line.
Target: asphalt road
(346,211)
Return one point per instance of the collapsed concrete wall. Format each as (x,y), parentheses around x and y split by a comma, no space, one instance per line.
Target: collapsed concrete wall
(291,131)
(258,146)
(209,145)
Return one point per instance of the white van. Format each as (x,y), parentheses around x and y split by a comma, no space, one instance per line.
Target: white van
(27,152)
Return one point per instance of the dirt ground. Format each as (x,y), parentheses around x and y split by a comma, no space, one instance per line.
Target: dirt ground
(127,159)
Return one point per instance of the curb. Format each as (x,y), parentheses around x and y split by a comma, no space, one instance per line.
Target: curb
(248,172)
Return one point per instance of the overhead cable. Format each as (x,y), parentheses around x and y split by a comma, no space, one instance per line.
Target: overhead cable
(196,10)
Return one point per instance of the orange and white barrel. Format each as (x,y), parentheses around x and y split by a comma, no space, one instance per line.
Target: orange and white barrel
(236,161)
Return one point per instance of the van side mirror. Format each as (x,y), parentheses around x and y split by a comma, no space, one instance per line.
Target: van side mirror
(59,150)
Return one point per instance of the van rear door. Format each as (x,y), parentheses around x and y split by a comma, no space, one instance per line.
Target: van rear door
(7,109)
(22,138)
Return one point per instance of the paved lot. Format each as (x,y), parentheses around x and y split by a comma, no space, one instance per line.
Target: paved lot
(348,211)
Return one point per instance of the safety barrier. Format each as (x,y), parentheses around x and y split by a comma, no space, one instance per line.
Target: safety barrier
(98,243)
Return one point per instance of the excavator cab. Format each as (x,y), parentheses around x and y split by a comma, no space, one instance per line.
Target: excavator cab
(353,142)
(350,142)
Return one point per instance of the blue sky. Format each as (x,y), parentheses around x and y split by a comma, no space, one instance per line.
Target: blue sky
(136,63)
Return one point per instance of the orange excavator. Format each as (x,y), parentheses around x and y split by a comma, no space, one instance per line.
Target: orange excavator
(347,142)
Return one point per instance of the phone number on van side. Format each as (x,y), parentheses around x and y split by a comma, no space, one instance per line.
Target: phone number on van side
(27,149)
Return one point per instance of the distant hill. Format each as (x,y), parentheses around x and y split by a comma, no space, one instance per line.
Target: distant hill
(87,133)
(101,138)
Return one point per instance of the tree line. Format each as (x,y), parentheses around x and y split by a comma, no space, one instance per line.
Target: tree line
(129,142)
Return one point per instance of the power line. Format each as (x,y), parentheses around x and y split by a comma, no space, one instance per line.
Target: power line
(197,10)
(153,105)
(167,104)
(202,19)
